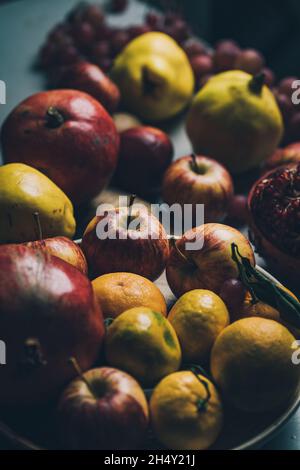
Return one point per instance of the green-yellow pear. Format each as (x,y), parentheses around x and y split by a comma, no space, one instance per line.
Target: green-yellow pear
(154,76)
(29,200)
(235,119)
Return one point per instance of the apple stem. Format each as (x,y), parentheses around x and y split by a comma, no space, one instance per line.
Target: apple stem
(36,216)
(54,118)
(173,241)
(131,201)
(194,163)
(257,82)
(80,374)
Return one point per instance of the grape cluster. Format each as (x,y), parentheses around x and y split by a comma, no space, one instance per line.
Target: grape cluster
(85,35)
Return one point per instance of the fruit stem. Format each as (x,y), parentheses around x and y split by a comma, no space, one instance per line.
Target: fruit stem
(194,164)
(131,201)
(265,290)
(173,242)
(80,374)
(202,402)
(37,220)
(256,83)
(54,118)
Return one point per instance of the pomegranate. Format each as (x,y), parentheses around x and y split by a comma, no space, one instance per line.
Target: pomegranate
(274,206)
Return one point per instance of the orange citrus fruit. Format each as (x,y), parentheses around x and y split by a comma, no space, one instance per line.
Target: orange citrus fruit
(185,413)
(251,361)
(143,343)
(117,292)
(198,317)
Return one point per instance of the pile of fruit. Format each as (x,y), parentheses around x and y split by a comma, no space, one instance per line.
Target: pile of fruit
(85,35)
(94,334)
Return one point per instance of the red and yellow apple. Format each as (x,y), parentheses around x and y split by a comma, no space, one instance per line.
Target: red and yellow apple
(126,240)
(104,409)
(63,248)
(196,180)
(207,267)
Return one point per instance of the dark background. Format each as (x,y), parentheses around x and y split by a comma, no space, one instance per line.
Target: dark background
(272,26)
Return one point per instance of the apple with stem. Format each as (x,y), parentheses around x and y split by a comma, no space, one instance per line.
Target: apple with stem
(128,239)
(209,264)
(196,179)
(62,247)
(103,409)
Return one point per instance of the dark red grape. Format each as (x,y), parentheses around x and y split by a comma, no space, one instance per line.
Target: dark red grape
(233,294)
(137,30)
(294,128)
(201,65)
(225,56)
(67,55)
(193,47)
(250,60)
(171,17)
(269,76)
(237,210)
(105,64)
(104,32)
(285,86)
(285,105)
(153,19)
(100,50)
(179,30)
(119,41)
(83,34)
(94,15)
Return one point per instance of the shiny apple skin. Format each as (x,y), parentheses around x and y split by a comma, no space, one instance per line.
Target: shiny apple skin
(135,254)
(63,248)
(89,78)
(79,155)
(213,188)
(45,299)
(145,154)
(117,418)
(210,266)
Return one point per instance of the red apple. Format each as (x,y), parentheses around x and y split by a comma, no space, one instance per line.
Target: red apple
(63,248)
(199,180)
(66,134)
(207,267)
(283,156)
(89,78)
(145,153)
(48,313)
(131,240)
(105,409)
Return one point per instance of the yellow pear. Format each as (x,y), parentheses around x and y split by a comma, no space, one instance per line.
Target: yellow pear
(235,119)
(154,76)
(29,199)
